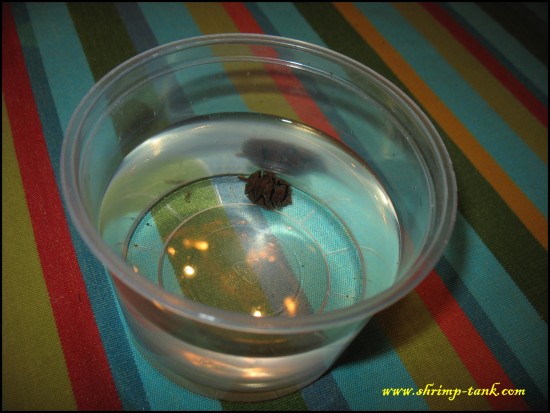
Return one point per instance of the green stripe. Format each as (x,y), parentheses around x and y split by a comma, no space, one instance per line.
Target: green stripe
(91,21)
(430,349)
(291,402)
(518,22)
(105,50)
(525,260)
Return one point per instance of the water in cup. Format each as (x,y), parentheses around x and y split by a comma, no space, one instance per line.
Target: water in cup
(177,211)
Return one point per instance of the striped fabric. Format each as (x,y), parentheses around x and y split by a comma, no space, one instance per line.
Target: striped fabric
(479,320)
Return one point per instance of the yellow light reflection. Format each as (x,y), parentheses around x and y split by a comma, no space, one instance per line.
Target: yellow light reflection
(135,269)
(257,372)
(188,271)
(199,245)
(257,312)
(171,251)
(290,305)
(156,145)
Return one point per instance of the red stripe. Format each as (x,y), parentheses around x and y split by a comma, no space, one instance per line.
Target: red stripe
(291,87)
(469,345)
(87,364)
(535,106)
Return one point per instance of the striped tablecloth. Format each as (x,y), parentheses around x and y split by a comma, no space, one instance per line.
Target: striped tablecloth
(477,325)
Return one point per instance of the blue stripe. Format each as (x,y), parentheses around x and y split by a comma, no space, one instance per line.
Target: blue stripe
(323,394)
(139,31)
(490,130)
(491,336)
(55,35)
(506,44)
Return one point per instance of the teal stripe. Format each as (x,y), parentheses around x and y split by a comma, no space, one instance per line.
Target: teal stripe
(503,60)
(510,312)
(172,397)
(505,43)
(143,39)
(58,41)
(490,335)
(490,130)
(371,364)
(169,21)
(132,394)
(287,21)
(55,36)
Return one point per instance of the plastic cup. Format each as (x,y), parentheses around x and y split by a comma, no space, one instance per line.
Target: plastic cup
(256,200)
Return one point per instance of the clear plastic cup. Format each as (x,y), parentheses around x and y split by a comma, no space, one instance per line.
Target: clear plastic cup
(256,200)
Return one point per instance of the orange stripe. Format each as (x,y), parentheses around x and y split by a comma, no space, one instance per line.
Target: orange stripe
(499,98)
(529,215)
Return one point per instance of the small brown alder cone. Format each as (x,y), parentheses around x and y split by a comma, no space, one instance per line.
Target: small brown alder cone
(267,190)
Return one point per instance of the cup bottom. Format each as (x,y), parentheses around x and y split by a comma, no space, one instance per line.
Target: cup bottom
(235,378)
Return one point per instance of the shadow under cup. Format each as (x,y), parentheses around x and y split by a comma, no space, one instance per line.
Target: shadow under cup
(224,296)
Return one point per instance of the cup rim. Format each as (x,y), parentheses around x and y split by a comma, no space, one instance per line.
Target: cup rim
(202,313)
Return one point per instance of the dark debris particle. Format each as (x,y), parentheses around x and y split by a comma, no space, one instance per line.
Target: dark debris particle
(267,190)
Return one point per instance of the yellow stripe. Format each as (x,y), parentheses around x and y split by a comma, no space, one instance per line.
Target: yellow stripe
(424,356)
(518,117)
(34,373)
(529,215)
(211,19)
